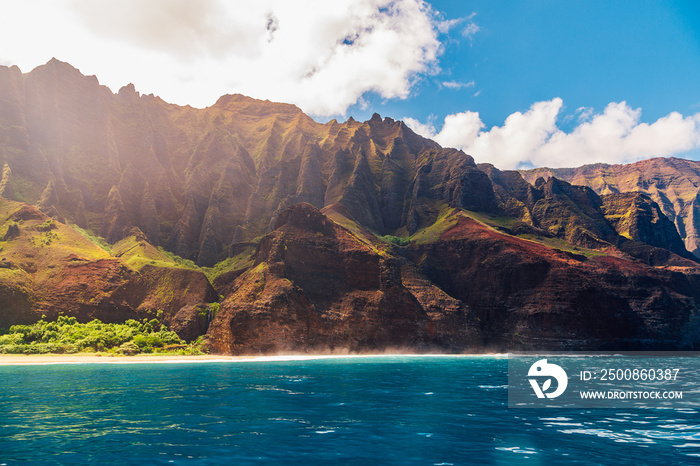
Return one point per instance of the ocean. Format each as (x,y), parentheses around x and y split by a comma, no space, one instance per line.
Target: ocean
(427,410)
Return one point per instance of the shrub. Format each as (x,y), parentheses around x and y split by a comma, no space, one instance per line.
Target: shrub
(11,339)
(135,324)
(69,349)
(396,240)
(129,348)
(50,224)
(169,338)
(63,320)
(144,341)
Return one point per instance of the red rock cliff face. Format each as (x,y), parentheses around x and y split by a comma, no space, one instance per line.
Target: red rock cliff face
(48,269)
(529,296)
(318,287)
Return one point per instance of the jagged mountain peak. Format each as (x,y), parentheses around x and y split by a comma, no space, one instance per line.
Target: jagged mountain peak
(60,70)
(242,104)
(128,91)
(87,147)
(673,183)
(55,63)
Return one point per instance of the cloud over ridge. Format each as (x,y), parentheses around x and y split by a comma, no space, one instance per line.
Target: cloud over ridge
(322,56)
(533,138)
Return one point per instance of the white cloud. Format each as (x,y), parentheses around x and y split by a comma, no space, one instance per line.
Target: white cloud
(460,127)
(424,129)
(617,136)
(533,138)
(456,85)
(584,113)
(470,30)
(323,56)
(445,26)
(182,28)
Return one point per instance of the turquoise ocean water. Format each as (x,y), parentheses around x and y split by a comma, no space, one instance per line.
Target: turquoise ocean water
(374,410)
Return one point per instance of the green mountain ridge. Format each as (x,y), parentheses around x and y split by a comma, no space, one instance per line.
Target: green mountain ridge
(356,236)
(673,183)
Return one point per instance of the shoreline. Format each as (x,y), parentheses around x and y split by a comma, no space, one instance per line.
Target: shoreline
(93,358)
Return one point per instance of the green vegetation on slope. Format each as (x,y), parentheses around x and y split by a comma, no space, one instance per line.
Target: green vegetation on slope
(137,252)
(94,239)
(396,240)
(38,243)
(179,261)
(66,335)
(560,244)
(498,222)
(446,219)
(363,234)
(239,262)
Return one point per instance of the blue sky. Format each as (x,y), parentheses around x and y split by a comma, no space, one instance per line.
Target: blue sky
(587,52)
(517,83)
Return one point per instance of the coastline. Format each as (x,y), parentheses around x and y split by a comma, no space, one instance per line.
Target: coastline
(93,358)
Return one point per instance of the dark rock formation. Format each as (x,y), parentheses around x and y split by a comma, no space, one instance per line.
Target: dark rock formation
(532,297)
(637,217)
(12,232)
(630,222)
(674,184)
(52,270)
(317,287)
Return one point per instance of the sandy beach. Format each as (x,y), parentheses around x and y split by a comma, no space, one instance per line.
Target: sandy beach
(94,358)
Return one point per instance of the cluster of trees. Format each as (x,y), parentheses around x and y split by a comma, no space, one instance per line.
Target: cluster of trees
(66,335)
(396,240)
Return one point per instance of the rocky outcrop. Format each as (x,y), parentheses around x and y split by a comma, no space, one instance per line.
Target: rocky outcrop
(528,296)
(573,213)
(48,269)
(450,176)
(631,223)
(670,182)
(317,287)
(148,217)
(636,217)
(116,222)
(11,233)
